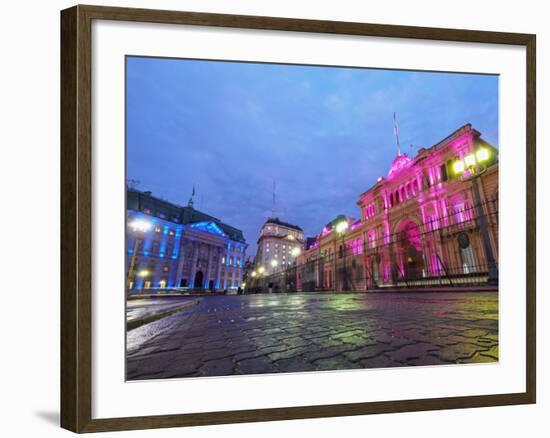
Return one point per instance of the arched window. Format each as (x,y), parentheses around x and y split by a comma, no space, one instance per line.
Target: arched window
(443,171)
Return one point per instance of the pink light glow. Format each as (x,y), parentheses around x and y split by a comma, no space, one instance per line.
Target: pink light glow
(435,192)
(399,163)
(409,231)
(386,270)
(356,246)
(371,239)
(403,164)
(386,232)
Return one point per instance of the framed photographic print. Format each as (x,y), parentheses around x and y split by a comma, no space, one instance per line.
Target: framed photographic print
(269,218)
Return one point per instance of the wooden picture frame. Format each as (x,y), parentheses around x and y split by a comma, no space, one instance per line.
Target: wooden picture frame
(76,217)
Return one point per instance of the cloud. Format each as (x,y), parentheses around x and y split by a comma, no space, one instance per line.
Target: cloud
(324,134)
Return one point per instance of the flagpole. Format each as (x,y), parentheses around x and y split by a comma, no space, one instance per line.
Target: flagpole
(396,132)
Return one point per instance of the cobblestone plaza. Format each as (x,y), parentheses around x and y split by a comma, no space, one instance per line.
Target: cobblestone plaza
(274,333)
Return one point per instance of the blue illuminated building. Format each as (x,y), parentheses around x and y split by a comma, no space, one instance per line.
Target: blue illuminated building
(183,247)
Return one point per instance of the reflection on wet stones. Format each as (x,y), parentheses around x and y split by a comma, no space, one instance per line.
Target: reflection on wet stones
(254,334)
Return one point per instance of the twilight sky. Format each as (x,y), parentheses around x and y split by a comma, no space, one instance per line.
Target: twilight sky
(324,133)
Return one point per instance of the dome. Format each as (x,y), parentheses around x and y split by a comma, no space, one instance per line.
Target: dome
(400,162)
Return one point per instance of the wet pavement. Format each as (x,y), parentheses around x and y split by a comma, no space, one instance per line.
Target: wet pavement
(253,334)
(143,308)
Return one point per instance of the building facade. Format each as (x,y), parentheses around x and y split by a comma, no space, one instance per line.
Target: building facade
(431,221)
(279,244)
(179,247)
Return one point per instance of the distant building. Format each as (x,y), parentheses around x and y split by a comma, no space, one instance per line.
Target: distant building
(278,245)
(183,247)
(432,220)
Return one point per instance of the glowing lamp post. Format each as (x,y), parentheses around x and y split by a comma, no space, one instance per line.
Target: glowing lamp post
(470,169)
(253,276)
(458,167)
(251,279)
(470,161)
(143,274)
(257,274)
(138,226)
(341,228)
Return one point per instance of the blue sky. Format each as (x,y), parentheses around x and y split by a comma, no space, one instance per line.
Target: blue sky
(324,133)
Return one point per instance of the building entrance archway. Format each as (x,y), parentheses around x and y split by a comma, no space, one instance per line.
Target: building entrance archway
(199,276)
(410,249)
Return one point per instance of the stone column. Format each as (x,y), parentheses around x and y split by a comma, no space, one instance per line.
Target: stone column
(181,261)
(227,266)
(208,267)
(219,269)
(419,182)
(194,258)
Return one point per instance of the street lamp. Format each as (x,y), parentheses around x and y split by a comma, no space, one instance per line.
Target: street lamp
(458,167)
(143,274)
(341,228)
(295,252)
(261,269)
(138,226)
(470,169)
(274,264)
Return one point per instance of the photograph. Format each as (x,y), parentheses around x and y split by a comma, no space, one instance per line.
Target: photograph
(290,218)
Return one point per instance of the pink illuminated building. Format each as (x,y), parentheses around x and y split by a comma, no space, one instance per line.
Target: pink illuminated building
(432,220)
